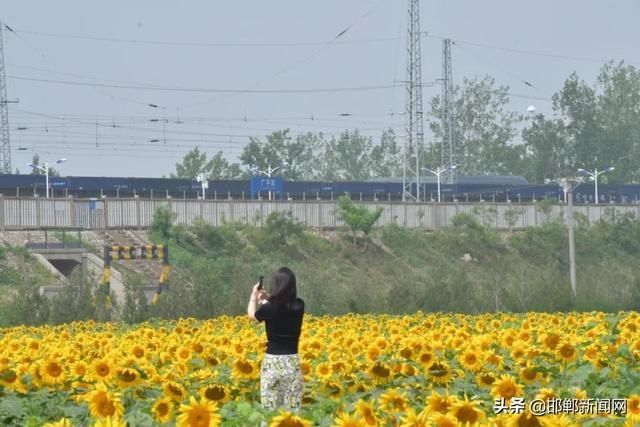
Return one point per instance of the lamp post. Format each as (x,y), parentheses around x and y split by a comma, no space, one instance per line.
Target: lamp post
(438,173)
(202,178)
(570,184)
(270,171)
(45,169)
(594,175)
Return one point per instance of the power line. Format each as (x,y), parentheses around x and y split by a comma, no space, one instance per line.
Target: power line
(206,90)
(526,52)
(203,44)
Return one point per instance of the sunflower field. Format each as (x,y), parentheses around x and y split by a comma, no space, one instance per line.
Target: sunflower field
(423,369)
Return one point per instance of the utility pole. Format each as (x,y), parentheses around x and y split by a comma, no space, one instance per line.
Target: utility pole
(5,146)
(414,119)
(448,145)
(572,248)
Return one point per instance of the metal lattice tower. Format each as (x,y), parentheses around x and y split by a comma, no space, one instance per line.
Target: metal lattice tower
(448,138)
(5,147)
(414,119)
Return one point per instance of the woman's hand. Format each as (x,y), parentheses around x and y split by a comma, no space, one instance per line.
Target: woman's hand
(258,294)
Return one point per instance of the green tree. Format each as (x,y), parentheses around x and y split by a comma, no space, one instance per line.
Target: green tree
(348,157)
(386,157)
(549,154)
(483,129)
(280,146)
(358,218)
(195,163)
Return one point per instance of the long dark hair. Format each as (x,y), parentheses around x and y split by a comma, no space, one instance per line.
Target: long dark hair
(283,288)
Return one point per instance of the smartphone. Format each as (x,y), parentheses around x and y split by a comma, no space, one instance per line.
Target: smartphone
(261,285)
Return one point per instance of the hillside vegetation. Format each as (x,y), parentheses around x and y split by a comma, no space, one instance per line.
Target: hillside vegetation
(466,268)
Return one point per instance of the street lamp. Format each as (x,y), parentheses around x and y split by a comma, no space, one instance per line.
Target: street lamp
(269,171)
(202,178)
(438,173)
(45,169)
(570,184)
(594,175)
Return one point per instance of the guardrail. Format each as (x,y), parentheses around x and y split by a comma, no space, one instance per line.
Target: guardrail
(101,214)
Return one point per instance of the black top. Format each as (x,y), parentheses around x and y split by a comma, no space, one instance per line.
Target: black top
(283,326)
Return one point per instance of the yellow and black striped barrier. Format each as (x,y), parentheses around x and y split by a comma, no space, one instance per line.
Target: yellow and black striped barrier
(137,252)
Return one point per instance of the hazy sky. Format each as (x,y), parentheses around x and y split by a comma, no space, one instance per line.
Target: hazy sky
(187,50)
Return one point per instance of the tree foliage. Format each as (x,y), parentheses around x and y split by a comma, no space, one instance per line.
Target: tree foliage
(358,218)
(195,163)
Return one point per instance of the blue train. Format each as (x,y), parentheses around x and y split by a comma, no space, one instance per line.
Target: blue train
(465,189)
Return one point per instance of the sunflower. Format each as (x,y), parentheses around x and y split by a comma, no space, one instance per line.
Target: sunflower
(101,370)
(367,412)
(63,422)
(79,369)
(333,388)
(506,387)
(243,368)
(557,421)
(380,371)
(439,403)
(471,360)
(567,351)
(287,419)
(183,354)
(323,370)
(215,393)
(467,412)
(426,359)
(443,420)
(485,379)
(174,390)
(633,407)
(103,403)
(525,419)
(198,414)
(439,372)
(393,402)
(528,374)
(52,372)
(162,410)
(109,422)
(345,420)
(413,419)
(546,394)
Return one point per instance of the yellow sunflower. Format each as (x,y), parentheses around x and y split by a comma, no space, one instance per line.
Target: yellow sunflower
(101,370)
(467,411)
(413,419)
(63,422)
(127,377)
(346,420)
(439,372)
(567,351)
(198,414)
(244,369)
(103,403)
(633,407)
(471,360)
(380,371)
(162,410)
(506,387)
(175,391)
(110,422)
(393,402)
(439,403)
(443,420)
(287,419)
(215,393)
(367,412)
(52,372)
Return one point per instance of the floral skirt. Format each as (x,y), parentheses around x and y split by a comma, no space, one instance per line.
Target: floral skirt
(281,382)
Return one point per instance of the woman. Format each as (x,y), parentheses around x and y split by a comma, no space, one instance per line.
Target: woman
(282,312)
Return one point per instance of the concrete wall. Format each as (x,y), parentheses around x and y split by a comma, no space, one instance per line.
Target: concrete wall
(35,213)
